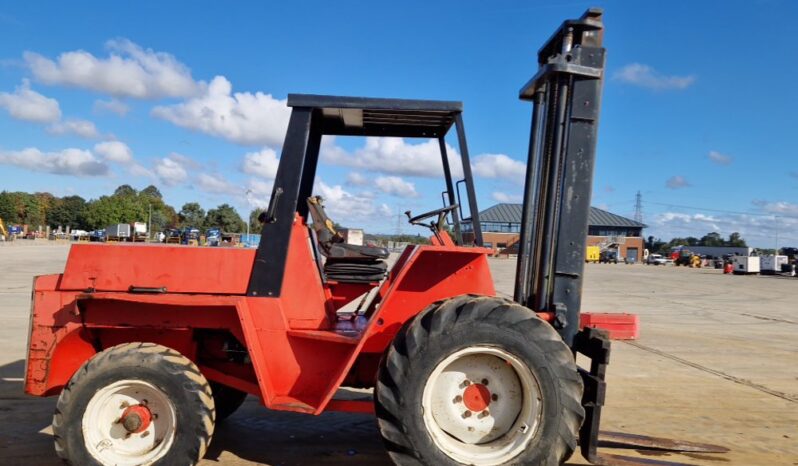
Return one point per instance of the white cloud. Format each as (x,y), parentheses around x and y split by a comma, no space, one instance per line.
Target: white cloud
(506,198)
(259,192)
(356,179)
(778,208)
(241,117)
(111,106)
(645,76)
(128,71)
(77,162)
(677,182)
(138,170)
(81,128)
(344,206)
(171,170)
(27,104)
(718,158)
(114,151)
(217,184)
(395,186)
(499,166)
(263,163)
(775,222)
(393,156)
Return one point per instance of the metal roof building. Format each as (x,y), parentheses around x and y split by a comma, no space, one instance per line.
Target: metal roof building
(506,218)
(501,228)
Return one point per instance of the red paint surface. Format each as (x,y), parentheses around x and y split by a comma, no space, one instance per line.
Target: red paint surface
(619,326)
(143,414)
(476,397)
(299,356)
(180,269)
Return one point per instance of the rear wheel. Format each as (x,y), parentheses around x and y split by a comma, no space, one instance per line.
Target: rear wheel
(134,404)
(479,381)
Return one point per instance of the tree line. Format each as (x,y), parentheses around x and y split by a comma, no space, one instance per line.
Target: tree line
(710,239)
(125,205)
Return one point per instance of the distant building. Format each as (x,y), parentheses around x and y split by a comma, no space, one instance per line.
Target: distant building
(501,228)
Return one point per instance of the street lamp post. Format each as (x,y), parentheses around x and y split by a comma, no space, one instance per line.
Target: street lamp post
(248,220)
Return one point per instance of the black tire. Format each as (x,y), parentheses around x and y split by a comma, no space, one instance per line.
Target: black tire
(227,400)
(462,322)
(164,368)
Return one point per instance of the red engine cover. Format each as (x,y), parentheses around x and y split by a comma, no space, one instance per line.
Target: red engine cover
(180,269)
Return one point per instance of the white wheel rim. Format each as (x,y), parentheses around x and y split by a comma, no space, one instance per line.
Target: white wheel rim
(510,405)
(106,438)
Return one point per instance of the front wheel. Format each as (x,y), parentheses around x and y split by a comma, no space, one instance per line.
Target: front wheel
(479,381)
(134,404)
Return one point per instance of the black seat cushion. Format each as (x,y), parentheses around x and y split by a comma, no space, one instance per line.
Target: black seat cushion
(355,271)
(354,252)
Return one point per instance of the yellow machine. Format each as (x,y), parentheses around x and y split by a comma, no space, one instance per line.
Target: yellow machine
(592,254)
(3,232)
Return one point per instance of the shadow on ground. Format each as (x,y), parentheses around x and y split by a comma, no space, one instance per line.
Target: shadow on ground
(252,435)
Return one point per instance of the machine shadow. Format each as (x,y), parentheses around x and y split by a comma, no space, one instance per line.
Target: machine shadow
(25,435)
(262,436)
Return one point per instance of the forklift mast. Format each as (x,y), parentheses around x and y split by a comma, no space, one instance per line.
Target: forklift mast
(566,96)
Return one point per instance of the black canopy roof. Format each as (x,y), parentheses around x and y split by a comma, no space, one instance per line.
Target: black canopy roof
(362,116)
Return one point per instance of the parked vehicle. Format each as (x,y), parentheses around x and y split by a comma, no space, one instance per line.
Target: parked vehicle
(744,265)
(656,259)
(592,254)
(118,232)
(213,236)
(139,232)
(610,256)
(772,265)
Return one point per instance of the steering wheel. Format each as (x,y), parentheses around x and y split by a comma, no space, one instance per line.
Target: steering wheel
(441,213)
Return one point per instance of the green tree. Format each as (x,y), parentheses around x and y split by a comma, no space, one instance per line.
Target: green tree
(735,240)
(160,221)
(125,190)
(151,191)
(8,210)
(254,224)
(191,215)
(67,211)
(110,210)
(226,218)
(712,239)
(35,209)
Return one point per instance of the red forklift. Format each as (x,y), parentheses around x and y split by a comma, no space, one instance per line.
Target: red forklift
(149,347)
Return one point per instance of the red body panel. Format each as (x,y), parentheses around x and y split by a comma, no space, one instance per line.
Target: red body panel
(180,269)
(300,353)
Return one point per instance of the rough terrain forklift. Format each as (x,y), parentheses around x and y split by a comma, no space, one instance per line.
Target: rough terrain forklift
(148,346)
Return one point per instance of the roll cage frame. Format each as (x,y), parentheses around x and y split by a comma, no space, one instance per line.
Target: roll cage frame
(314,116)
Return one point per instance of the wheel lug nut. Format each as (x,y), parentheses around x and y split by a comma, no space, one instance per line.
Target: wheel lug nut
(484,381)
(457,399)
(484,413)
(494,397)
(467,414)
(466,382)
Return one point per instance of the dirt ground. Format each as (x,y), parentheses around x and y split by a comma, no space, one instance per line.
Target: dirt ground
(717,362)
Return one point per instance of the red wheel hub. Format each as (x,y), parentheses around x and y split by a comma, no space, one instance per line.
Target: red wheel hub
(476,397)
(136,419)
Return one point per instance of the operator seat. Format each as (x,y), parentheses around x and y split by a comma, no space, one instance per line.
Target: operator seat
(348,263)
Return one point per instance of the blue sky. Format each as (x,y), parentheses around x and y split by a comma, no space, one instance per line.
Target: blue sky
(698,106)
